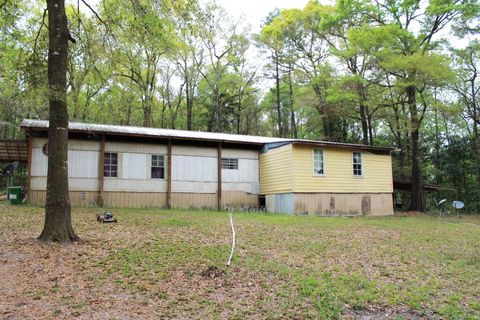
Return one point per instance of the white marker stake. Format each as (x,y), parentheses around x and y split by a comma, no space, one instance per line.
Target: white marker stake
(233,240)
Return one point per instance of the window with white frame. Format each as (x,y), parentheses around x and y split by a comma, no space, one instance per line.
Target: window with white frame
(318,162)
(158,166)
(230,163)
(357,164)
(110,164)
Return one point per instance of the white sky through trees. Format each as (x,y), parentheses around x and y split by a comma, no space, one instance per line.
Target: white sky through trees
(255,11)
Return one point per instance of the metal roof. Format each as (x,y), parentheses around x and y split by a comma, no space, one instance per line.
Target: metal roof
(154,132)
(189,135)
(13,150)
(407,185)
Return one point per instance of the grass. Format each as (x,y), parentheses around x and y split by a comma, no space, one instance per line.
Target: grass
(171,264)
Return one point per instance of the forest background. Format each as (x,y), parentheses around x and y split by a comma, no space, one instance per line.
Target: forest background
(396,73)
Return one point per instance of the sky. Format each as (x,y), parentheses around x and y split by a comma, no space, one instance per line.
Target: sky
(254,11)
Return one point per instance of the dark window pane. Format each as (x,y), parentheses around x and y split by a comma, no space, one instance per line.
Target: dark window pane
(158,173)
(230,163)
(158,167)
(110,164)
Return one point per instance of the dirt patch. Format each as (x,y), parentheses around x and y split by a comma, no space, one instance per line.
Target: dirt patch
(381,313)
(212,272)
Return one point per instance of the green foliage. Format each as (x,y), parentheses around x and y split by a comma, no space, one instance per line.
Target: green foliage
(325,72)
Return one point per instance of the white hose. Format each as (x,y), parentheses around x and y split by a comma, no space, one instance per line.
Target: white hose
(233,240)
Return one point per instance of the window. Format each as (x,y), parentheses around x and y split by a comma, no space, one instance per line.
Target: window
(357,164)
(230,163)
(110,164)
(318,162)
(158,166)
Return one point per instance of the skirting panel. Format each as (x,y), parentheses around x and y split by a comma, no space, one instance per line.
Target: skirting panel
(135,199)
(194,200)
(230,199)
(111,199)
(239,199)
(331,204)
(349,204)
(77,198)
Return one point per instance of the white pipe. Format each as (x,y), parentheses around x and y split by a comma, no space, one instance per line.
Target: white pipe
(233,240)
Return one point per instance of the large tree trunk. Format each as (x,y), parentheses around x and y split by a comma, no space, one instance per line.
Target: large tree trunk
(417,199)
(58,225)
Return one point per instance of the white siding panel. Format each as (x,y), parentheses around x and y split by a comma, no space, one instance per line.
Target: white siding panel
(135,147)
(134,166)
(247,172)
(38,183)
(73,144)
(74,184)
(194,151)
(38,142)
(84,145)
(193,168)
(83,163)
(39,163)
(194,187)
(83,184)
(249,187)
(114,184)
(240,153)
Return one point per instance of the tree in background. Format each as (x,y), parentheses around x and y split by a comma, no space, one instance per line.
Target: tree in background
(467,87)
(373,72)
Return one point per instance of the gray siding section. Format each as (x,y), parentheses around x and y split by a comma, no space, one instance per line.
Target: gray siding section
(280,203)
(194,169)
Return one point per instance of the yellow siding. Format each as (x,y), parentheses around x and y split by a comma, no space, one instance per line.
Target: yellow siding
(377,172)
(276,170)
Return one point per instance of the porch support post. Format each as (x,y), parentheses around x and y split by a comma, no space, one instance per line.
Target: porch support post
(29,165)
(219,175)
(101,171)
(169,174)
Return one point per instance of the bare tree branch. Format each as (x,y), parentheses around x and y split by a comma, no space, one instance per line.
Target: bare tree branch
(94,12)
(39,30)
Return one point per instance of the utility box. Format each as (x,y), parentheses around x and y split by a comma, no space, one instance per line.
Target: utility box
(15,195)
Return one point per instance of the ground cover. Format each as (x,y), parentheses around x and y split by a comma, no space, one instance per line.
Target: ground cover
(171,264)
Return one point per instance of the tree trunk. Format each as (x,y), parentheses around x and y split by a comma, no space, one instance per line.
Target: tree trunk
(476,137)
(147,112)
(326,121)
(417,199)
(438,175)
(58,224)
(278,103)
(363,113)
(363,118)
(239,110)
(293,121)
(188,98)
(370,126)
(476,143)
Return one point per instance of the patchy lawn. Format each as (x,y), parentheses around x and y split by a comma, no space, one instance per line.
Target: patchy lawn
(171,264)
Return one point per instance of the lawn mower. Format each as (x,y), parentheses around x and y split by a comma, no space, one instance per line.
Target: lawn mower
(106,217)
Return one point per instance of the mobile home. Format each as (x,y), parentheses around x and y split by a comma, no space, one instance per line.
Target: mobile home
(125,166)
